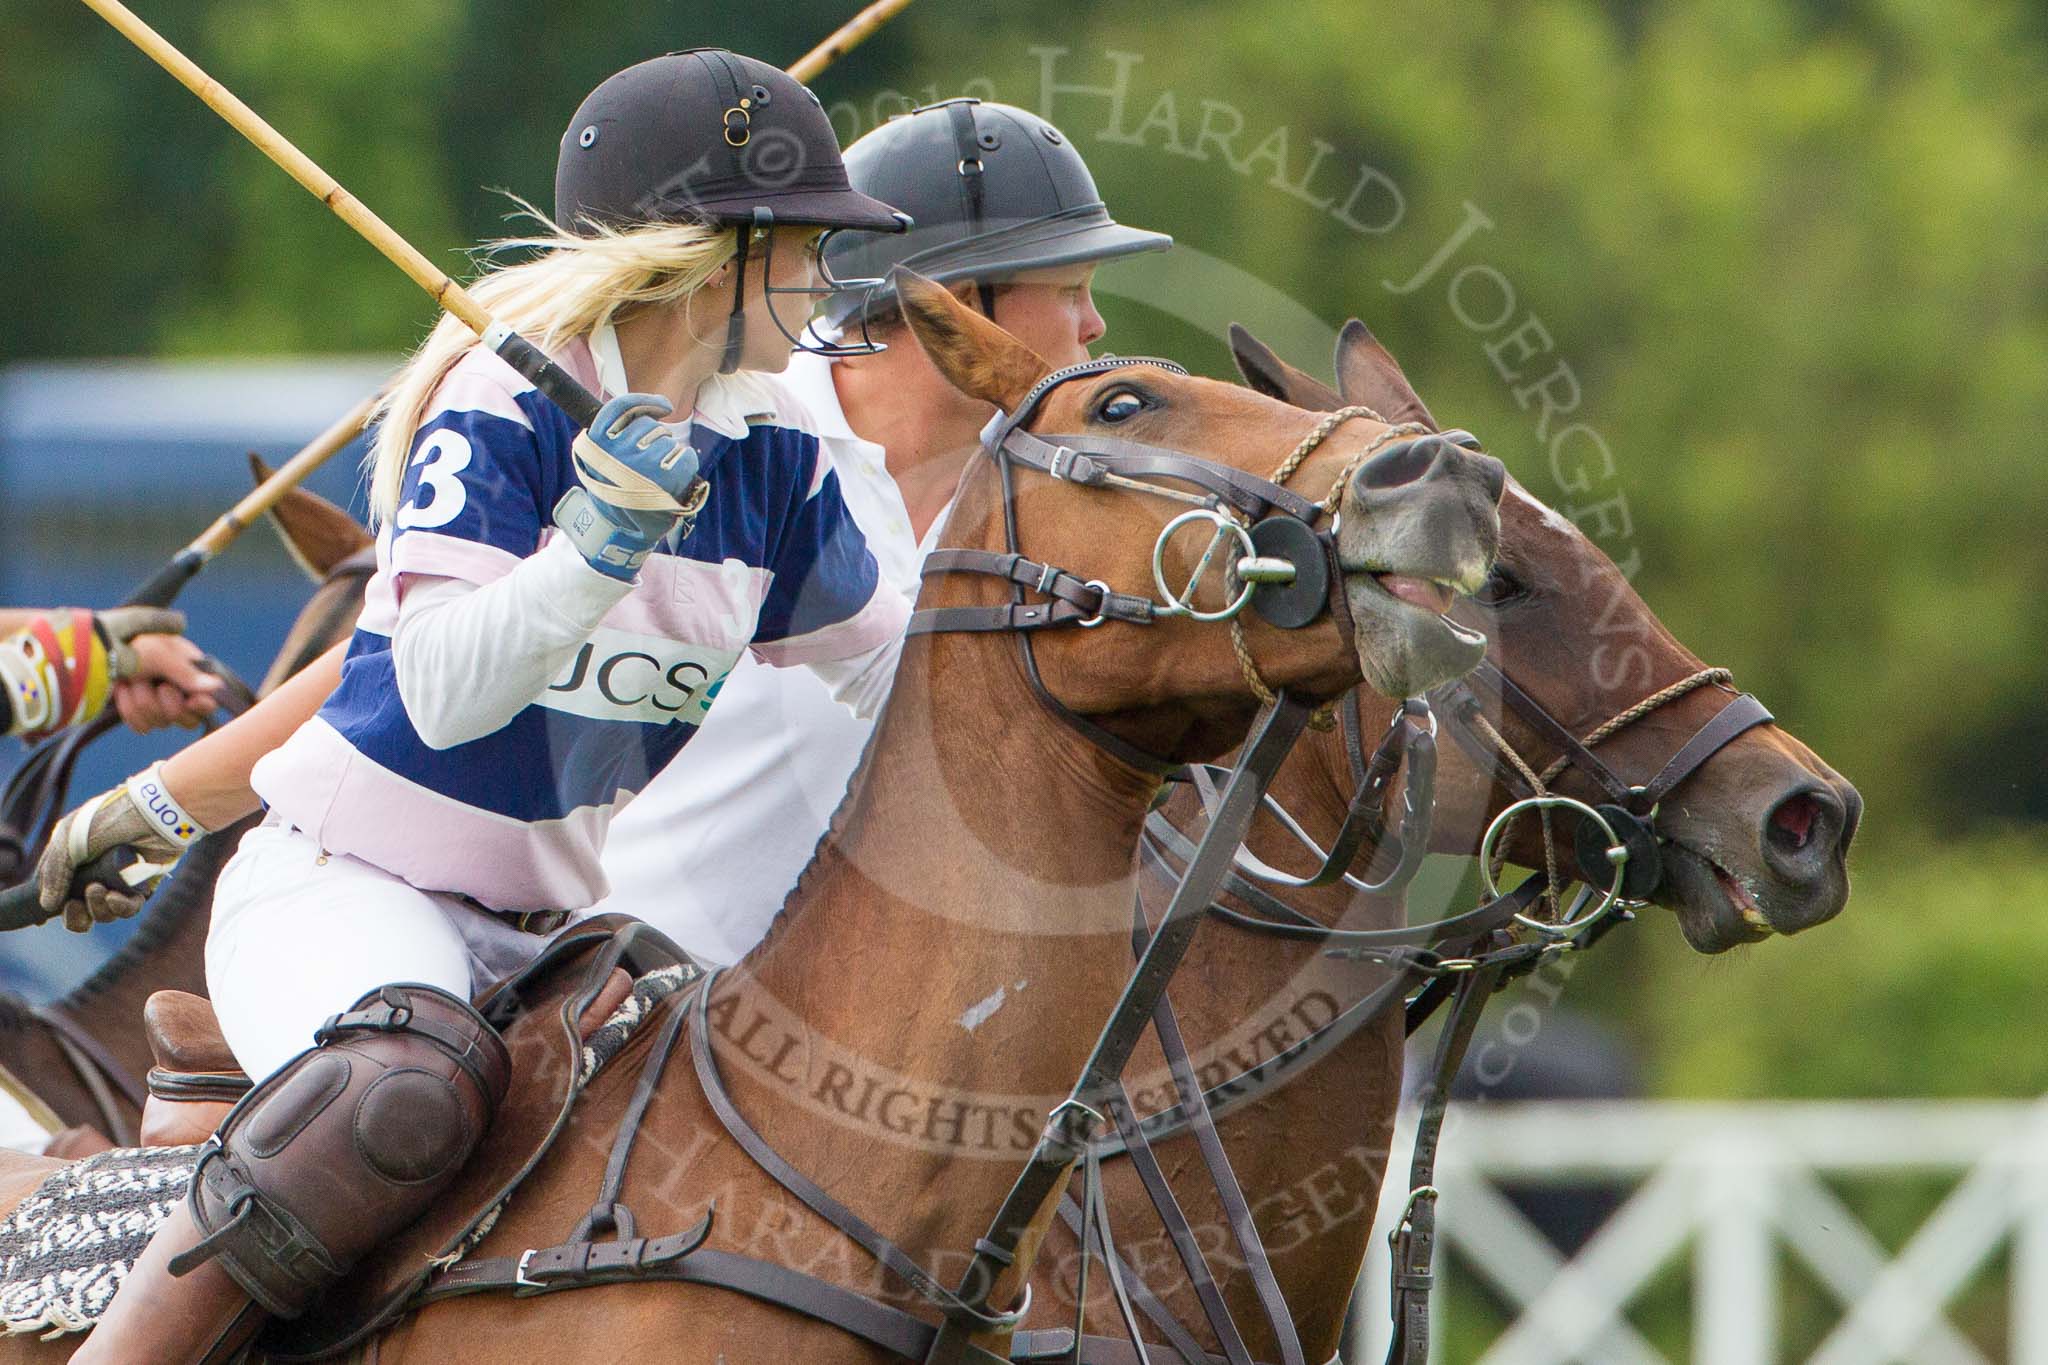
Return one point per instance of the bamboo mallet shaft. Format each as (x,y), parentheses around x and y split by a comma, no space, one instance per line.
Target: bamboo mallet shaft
(290,475)
(846,38)
(295,163)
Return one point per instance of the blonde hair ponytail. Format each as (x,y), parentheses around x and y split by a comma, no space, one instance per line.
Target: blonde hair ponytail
(575,285)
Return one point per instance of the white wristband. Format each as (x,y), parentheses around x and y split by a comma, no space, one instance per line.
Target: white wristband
(165,817)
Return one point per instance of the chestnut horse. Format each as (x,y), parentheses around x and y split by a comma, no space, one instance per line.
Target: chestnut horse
(980,820)
(84,1055)
(1755,841)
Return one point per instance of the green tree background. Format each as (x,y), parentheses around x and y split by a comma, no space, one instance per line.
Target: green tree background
(1792,250)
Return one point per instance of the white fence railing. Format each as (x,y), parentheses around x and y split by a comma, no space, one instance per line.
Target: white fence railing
(1739,1189)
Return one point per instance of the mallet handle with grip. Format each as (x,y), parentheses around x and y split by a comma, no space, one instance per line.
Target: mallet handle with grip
(20,909)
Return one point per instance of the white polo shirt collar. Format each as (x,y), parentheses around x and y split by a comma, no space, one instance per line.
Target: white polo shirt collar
(722,403)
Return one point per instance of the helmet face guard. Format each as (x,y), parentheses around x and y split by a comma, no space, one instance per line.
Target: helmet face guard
(829,286)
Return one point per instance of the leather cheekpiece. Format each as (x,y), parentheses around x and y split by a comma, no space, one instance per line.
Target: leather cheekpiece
(347,1144)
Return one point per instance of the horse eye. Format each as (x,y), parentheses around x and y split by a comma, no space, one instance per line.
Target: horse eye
(1500,588)
(1120,406)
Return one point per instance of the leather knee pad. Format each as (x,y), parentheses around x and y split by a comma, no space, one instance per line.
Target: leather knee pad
(348,1144)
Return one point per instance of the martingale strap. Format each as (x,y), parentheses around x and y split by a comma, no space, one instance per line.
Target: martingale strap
(1222,1178)
(1066,1131)
(1414,1238)
(1440,969)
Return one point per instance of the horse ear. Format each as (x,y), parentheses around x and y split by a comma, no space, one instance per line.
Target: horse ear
(1269,374)
(317,534)
(976,356)
(1368,373)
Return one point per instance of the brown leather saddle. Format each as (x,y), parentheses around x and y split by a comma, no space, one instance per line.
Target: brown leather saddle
(537,1011)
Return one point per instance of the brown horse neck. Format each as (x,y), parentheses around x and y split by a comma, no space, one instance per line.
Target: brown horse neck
(908,891)
(926,996)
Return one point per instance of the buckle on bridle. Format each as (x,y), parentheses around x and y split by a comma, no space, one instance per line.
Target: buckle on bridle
(1101,609)
(1415,1196)
(522,1280)
(1062,462)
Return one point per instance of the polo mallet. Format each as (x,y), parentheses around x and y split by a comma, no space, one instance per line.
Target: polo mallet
(846,38)
(32,800)
(161,589)
(20,906)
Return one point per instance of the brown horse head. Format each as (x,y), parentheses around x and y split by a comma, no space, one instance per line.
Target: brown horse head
(1754,841)
(1417,525)
(321,538)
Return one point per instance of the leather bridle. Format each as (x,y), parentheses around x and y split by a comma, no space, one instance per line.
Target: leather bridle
(1630,809)
(1288,570)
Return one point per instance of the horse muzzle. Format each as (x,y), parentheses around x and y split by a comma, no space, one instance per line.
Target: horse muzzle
(1419,526)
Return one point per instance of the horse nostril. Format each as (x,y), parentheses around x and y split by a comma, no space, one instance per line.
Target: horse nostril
(1496,476)
(1399,464)
(1803,832)
(1792,822)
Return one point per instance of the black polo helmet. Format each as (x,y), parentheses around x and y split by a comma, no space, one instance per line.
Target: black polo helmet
(993,189)
(707,136)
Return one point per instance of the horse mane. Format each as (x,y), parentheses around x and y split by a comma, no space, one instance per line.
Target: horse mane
(16,1013)
(840,814)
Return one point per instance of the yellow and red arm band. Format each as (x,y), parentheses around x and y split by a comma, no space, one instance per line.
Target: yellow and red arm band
(55,673)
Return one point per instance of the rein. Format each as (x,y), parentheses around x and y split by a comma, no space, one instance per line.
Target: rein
(37,793)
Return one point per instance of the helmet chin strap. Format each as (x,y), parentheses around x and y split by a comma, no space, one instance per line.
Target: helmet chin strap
(736,321)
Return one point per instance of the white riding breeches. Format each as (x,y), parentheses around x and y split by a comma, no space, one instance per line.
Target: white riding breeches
(299,934)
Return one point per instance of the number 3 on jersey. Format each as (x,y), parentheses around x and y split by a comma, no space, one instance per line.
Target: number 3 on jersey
(438,499)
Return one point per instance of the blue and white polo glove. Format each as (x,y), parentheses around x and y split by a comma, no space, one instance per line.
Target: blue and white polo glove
(632,471)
